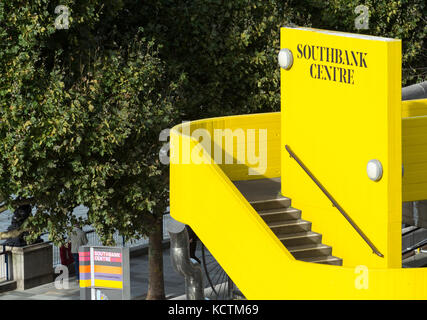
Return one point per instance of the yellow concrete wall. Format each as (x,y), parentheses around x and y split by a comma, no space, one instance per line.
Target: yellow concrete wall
(414,108)
(336,128)
(203,196)
(414,150)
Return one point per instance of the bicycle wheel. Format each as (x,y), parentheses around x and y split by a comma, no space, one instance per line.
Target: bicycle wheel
(220,284)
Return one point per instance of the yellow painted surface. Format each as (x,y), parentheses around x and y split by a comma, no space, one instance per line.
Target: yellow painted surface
(256,122)
(102,284)
(203,196)
(414,108)
(335,128)
(414,150)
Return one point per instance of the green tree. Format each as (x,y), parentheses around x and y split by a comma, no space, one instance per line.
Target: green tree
(80,119)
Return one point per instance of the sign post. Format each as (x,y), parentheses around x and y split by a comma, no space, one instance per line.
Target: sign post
(104,273)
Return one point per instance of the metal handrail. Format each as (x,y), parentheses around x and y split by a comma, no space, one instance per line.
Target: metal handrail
(334,202)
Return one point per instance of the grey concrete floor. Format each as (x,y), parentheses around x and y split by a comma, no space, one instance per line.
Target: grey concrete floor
(174,283)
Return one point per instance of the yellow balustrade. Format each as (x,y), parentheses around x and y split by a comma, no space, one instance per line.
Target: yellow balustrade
(414,150)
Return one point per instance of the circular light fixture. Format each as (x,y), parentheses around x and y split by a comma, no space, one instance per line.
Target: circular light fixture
(285,59)
(375,170)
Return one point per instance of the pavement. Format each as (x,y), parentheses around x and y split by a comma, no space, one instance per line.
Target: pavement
(418,260)
(174,283)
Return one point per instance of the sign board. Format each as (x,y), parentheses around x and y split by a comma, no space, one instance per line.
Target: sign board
(341,108)
(104,273)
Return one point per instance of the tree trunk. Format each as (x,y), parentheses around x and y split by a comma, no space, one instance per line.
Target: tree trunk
(156,285)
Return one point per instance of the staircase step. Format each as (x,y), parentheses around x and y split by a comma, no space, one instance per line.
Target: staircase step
(300,238)
(290,226)
(275,203)
(324,260)
(273,215)
(310,250)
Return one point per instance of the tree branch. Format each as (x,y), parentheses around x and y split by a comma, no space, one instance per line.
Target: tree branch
(11,234)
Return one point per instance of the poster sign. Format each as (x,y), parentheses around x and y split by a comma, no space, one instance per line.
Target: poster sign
(104,273)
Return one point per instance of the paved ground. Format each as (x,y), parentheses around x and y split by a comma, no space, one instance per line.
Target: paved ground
(416,261)
(174,283)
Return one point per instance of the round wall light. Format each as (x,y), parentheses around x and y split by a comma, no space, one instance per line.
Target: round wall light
(285,59)
(375,170)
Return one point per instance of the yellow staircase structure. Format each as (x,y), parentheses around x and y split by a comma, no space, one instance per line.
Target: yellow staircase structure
(203,195)
(232,178)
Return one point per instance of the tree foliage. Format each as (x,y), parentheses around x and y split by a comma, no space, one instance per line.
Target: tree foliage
(401,19)
(81,133)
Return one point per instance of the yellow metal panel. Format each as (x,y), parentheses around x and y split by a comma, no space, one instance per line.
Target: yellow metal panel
(414,108)
(102,284)
(108,284)
(85,283)
(336,128)
(414,154)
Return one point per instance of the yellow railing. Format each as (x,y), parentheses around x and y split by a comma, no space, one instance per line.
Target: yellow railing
(203,196)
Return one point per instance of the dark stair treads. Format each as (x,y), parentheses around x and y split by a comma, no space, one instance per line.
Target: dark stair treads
(289,226)
(300,238)
(271,204)
(285,221)
(280,214)
(310,250)
(324,260)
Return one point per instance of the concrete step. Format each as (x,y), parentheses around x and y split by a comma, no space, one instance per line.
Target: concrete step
(282,214)
(291,226)
(300,238)
(310,250)
(274,203)
(324,260)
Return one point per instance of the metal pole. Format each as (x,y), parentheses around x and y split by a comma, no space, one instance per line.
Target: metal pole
(230,288)
(415,91)
(6,262)
(181,262)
